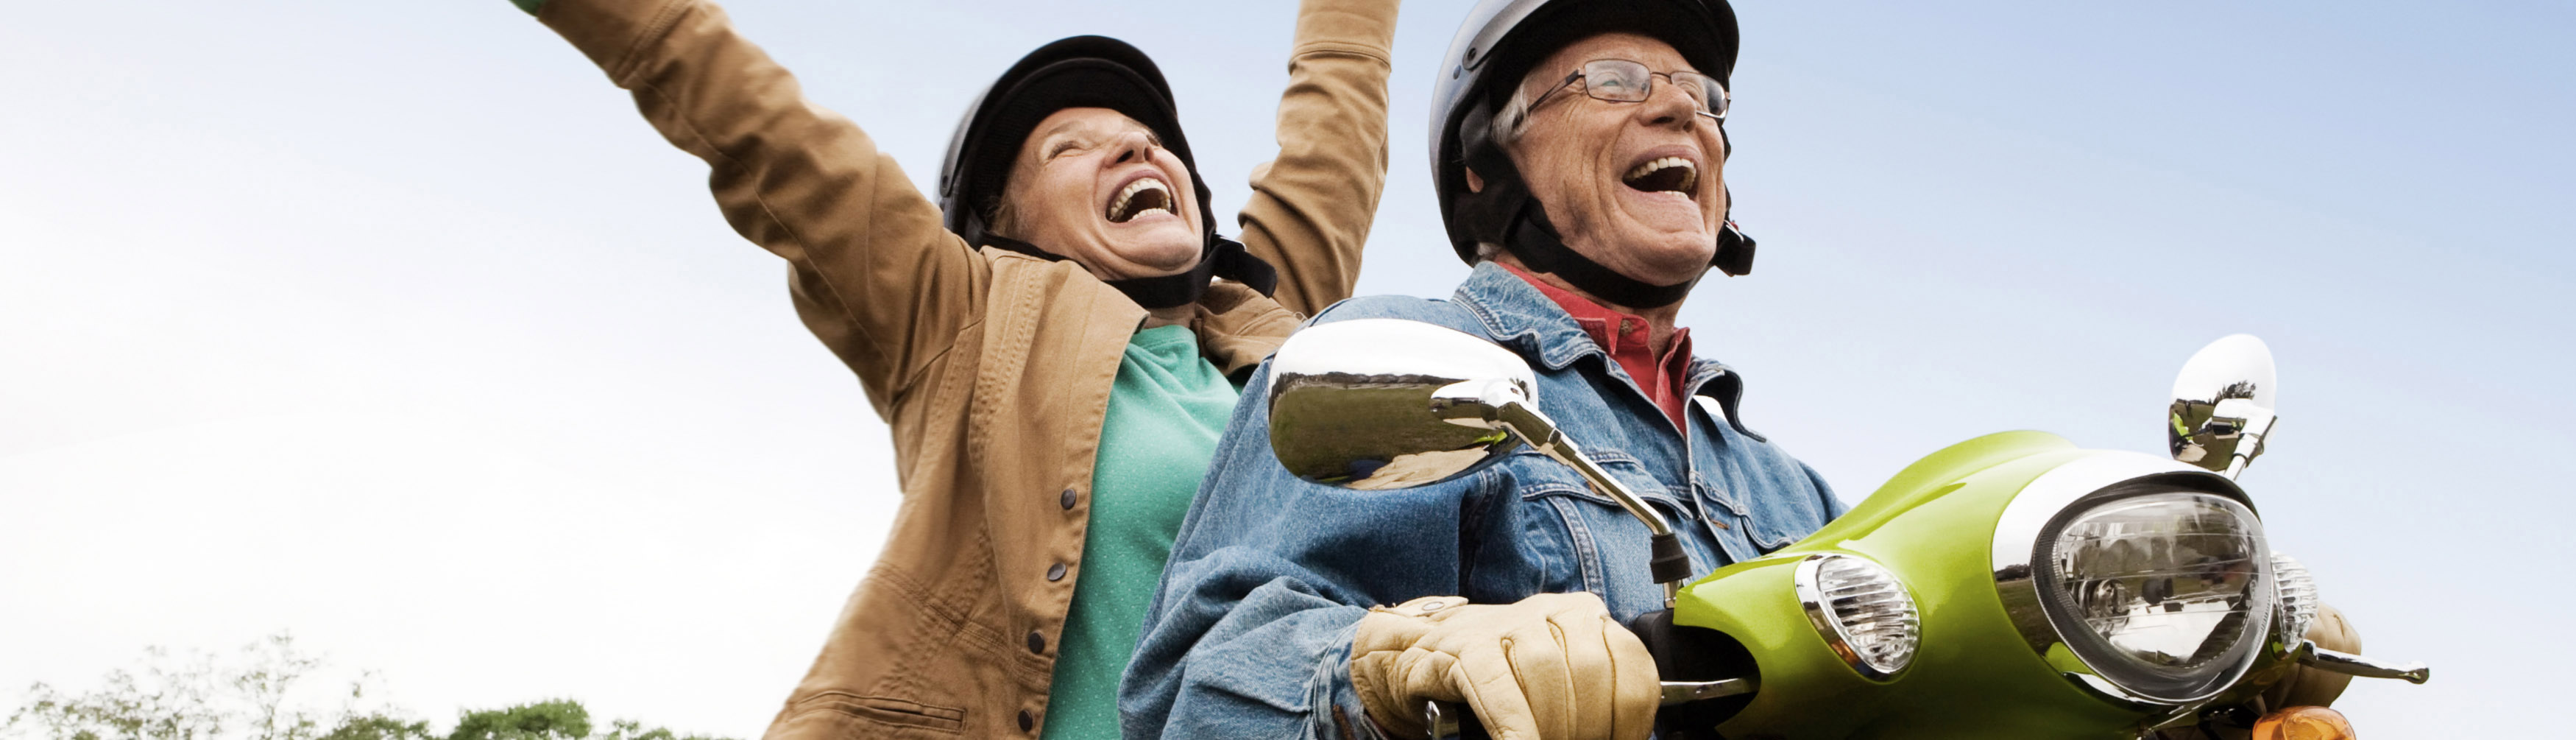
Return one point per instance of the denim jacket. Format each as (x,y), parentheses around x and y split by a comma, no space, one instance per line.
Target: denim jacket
(1251,633)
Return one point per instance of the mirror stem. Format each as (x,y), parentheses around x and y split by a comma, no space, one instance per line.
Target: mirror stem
(2249,445)
(1670,563)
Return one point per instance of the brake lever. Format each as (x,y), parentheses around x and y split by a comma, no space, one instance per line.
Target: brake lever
(1451,719)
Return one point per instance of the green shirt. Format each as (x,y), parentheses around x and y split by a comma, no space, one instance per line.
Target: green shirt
(1165,412)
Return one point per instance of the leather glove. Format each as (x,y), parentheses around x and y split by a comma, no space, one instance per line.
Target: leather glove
(1548,667)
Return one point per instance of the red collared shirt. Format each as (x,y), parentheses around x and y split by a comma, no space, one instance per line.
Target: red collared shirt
(1625,337)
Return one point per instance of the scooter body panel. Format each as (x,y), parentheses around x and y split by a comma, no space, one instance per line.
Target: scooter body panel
(1933,526)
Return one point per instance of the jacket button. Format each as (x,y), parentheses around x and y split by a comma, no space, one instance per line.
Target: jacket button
(1037,643)
(1066,500)
(1027,721)
(1055,572)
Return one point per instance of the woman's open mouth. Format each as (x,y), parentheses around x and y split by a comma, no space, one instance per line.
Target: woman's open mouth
(1145,194)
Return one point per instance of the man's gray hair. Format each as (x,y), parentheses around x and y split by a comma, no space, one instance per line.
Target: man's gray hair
(1512,120)
(1509,124)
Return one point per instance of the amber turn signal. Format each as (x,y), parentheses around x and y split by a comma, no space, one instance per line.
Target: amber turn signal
(2303,723)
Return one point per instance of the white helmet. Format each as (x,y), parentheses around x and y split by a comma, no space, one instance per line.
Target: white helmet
(1495,47)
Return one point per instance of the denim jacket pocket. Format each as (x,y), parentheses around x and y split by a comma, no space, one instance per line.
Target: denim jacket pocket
(887,713)
(1769,524)
(1568,521)
(1549,476)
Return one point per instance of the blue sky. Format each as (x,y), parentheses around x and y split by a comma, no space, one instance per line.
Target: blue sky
(393,325)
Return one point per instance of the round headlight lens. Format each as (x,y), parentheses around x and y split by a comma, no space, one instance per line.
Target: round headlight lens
(2165,594)
(1864,613)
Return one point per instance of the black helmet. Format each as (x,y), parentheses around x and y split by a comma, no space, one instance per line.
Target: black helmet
(1079,72)
(1494,49)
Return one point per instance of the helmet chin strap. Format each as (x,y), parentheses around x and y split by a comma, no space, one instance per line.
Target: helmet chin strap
(1531,238)
(1220,258)
(1505,213)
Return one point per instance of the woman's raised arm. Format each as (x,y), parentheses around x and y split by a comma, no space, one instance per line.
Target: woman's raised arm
(1312,206)
(876,276)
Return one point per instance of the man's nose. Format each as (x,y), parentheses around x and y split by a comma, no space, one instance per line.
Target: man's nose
(1667,105)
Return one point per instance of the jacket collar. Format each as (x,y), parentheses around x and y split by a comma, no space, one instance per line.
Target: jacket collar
(1518,316)
(1219,257)
(1237,326)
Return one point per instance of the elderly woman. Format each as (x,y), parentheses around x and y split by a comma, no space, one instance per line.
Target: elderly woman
(1046,340)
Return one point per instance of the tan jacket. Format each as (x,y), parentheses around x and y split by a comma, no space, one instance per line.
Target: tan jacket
(993,368)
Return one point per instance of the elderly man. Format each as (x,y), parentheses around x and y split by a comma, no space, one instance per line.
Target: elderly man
(1579,155)
(1579,159)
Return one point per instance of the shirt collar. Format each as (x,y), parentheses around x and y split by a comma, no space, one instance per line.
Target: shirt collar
(1608,327)
(1520,317)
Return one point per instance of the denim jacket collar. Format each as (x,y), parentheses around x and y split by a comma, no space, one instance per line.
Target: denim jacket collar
(1518,316)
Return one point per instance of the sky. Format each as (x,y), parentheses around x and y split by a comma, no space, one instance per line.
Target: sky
(394,326)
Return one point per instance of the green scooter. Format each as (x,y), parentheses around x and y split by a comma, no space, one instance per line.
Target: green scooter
(2012,585)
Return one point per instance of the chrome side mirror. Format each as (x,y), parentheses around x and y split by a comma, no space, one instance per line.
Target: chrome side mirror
(1379,404)
(1386,403)
(2223,405)
(1390,403)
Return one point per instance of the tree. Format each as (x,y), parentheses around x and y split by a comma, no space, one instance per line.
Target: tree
(260,696)
(192,698)
(379,727)
(559,719)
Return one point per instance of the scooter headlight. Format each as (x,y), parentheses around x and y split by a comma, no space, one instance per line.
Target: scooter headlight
(2298,597)
(1862,610)
(2165,593)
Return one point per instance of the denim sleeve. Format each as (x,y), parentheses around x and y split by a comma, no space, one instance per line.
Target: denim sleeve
(1251,632)
(1834,506)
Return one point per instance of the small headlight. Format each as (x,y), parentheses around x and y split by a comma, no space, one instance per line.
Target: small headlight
(1864,613)
(2298,597)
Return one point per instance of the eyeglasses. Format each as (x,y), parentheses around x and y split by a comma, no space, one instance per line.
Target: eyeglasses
(1623,81)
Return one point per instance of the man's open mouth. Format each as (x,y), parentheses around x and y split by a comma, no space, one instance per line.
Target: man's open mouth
(1145,194)
(1665,174)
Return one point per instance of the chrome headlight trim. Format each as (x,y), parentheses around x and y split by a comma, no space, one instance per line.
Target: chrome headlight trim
(1831,619)
(2028,517)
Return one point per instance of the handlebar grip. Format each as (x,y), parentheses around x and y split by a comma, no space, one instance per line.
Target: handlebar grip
(1452,720)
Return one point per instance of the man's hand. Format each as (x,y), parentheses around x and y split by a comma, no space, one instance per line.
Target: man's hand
(1550,667)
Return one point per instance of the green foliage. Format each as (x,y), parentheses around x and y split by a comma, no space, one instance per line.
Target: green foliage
(260,696)
(627,729)
(191,698)
(378,727)
(559,719)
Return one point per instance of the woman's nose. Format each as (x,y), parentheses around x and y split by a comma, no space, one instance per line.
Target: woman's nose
(1132,146)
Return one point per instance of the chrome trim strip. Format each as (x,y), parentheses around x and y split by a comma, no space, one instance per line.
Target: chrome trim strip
(1682,692)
